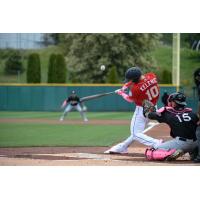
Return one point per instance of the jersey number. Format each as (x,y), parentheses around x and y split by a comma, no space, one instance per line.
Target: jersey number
(184,117)
(152,92)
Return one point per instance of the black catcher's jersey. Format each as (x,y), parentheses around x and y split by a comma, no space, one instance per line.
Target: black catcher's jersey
(183,123)
(73,100)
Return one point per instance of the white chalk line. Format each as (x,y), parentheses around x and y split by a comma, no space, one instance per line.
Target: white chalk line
(150,126)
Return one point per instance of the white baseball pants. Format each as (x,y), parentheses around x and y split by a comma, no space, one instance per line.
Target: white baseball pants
(138,124)
(69,107)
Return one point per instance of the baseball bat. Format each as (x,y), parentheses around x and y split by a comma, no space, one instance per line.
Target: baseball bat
(96,96)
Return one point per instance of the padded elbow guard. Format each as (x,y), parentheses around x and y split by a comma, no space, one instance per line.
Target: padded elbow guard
(126,97)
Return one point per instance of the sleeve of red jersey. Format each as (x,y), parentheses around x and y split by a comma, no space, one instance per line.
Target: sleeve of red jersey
(127,85)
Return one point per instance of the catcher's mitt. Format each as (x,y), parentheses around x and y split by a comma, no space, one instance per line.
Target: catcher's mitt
(148,107)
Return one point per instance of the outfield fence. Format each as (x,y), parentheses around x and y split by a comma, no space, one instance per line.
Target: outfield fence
(49,97)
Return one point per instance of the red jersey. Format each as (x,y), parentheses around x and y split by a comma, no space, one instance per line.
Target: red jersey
(146,88)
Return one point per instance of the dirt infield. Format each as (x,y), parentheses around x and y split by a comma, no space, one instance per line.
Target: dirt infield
(84,156)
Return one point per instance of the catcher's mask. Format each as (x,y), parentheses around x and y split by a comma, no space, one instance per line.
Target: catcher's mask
(179,98)
(133,74)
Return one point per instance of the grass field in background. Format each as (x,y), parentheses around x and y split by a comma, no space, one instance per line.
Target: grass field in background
(189,61)
(34,134)
(71,115)
(44,60)
(29,135)
(162,55)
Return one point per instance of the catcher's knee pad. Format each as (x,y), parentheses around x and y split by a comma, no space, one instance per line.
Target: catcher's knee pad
(158,154)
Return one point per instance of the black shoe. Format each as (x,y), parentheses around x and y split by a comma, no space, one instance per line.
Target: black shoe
(196,160)
(178,153)
(194,153)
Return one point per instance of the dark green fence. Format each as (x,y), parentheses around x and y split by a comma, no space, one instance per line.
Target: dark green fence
(50,97)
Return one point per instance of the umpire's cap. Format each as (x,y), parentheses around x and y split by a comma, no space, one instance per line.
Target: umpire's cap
(178,98)
(133,74)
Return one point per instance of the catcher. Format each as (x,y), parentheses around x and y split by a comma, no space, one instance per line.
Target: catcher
(73,101)
(182,122)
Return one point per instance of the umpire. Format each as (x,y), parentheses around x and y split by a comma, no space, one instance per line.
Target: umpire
(197,83)
(182,121)
(197,159)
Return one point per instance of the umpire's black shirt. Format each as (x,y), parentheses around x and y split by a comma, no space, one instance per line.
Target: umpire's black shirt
(197,82)
(183,122)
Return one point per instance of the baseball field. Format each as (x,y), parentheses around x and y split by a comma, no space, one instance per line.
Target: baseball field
(39,138)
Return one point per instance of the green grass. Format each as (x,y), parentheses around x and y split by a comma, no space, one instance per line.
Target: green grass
(71,115)
(163,57)
(28,135)
(34,134)
(189,61)
(44,59)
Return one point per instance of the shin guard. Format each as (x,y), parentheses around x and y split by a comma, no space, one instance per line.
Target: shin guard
(158,154)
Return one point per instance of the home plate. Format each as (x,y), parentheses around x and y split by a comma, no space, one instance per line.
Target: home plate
(91,156)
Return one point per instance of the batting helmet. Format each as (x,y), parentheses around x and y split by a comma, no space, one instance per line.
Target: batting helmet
(134,74)
(179,98)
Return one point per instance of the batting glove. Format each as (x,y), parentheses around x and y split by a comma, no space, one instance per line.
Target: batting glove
(119,91)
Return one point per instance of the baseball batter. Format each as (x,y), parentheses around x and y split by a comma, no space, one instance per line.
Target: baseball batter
(141,86)
(73,101)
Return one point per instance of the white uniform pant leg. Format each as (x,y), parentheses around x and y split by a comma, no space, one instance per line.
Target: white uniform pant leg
(67,109)
(138,124)
(80,110)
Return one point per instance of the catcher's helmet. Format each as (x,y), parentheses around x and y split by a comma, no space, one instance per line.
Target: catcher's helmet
(178,98)
(134,74)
